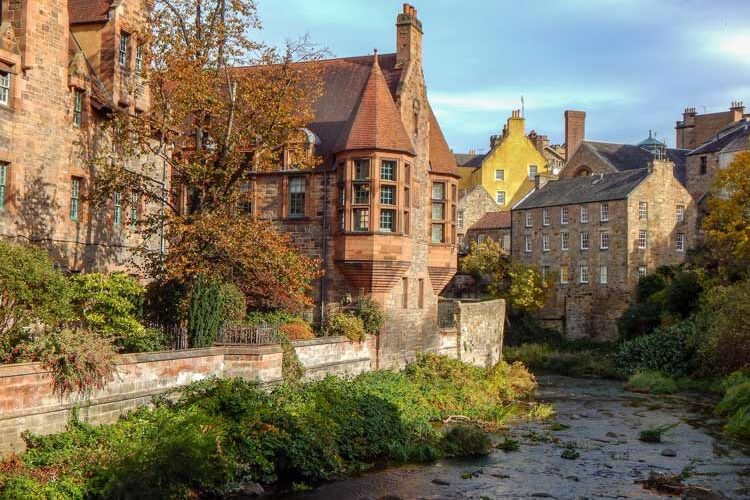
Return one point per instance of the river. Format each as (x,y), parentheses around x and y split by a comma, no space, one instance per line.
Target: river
(604,424)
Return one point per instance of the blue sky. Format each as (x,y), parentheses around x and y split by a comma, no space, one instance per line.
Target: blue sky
(632,65)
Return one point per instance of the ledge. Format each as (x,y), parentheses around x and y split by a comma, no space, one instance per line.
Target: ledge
(328,340)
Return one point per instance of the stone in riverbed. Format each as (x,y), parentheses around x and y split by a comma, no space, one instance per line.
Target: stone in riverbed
(668,453)
(698,493)
(441,482)
(252,490)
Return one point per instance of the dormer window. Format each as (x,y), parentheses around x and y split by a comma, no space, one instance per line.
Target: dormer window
(124,46)
(4,88)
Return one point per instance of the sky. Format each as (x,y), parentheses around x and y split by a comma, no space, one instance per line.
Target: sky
(632,65)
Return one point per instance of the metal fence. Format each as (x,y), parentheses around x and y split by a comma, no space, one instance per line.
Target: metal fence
(260,334)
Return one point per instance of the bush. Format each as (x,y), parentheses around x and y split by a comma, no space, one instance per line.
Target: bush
(371,315)
(205,313)
(670,350)
(164,302)
(727,344)
(683,293)
(271,317)
(297,331)
(346,325)
(526,329)
(651,383)
(639,319)
(576,359)
(465,441)
(148,340)
(233,304)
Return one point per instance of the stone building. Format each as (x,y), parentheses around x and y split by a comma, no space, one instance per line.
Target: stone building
(596,157)
(65,64)
(508,170)
(472,206)
(494,226)
(380,212)
(594,236)
(696,129)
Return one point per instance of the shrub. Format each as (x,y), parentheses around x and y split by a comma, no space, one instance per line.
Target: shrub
(651,383)
(205,312)
(569,358)
(727,343)
(233,306)
(526,329)
(297,331)
(148,340)
(31,290)
(271,317)
(342,324)
(465,441)
(670,350)
(683,293)
(164,302)
(371,315)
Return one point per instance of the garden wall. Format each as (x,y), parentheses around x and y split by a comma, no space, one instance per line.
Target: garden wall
(474,334)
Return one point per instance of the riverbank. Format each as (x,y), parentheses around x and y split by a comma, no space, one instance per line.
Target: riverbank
(600,422)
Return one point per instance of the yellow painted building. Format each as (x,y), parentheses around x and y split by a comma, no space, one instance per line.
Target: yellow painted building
(507,172)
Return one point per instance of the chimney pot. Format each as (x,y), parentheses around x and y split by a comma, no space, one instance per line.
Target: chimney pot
(406,8)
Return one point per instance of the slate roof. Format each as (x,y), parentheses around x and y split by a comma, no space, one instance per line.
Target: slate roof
(469,160)
(623,157)
(88,11)
(376,122)
(492,220)
(734,138)
(586,189)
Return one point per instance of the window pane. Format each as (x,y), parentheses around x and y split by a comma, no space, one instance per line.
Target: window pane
(500,197)
(388,220)
(388,195)
(3,184)
(438,191)
(388,170)
(75,190)
(118,208)
(361,219)
(4,88)
(361,169)
(362,194)
(296,196)
(438,211)
(437,233)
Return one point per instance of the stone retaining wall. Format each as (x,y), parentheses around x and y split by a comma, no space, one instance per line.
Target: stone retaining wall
(336,356)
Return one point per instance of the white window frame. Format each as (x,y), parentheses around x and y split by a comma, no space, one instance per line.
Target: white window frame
(584,239)
(584,213)
(4,88)
(499,174)
(536,172)
(545,243)
(564,241)
(460,219)
(680,242)
(583,274)
(3,185)
(604,240)
(642,239)
(603,275)
(546,219)
(642,271)
(680,213)
(498,197)
(527,244)
(642,210)
(529,218)
(604,212)
(564,278)
(564,215)
(123,49)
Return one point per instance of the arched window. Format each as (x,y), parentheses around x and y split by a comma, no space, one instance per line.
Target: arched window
(583,171)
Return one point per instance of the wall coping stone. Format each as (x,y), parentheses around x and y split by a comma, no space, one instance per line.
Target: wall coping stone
(330,364)
(328,340)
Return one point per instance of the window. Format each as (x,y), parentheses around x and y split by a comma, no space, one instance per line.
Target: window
(545,217)
(545,272)
(124,45)
(500,197)
(133,210)
(362,194)
(437,233)
(3,184)
(642,210)
(584,214)
(680,213)
(388,170)
(438,191)
(139,58)
(584,241)
(75,193)
(564,215)
(529,219)
(545,242)
(460,219)
(361,219)
(642,271)
(533,171)
(4,88)
(77,108)
(481,238)
(527,243)
(420,302)
(564,275)
(499,175)
(118,208)
(296,197)
(361,170)
(604,240)
(342,220)
(680,242)
(438,211)
(603,277)
(405,295)
(583,274)
(388,195)
(505,245)
(387,220)
(604,212)
(642,238)
(704,165)
(564,241)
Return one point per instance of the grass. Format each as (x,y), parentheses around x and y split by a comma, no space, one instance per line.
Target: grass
(508,445)
(655,434)
(575,359)
(651,383)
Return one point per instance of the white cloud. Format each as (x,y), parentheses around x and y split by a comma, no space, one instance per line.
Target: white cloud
(735,45)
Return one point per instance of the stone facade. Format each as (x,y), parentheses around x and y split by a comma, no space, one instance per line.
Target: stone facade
(472,206)
(704,162)
(603,272)
(58,96)
(696,129)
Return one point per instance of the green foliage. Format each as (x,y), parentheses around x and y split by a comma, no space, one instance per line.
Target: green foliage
(465,441)
(651,383)
(346,325)
(655,434)
(570,454)
(31,290)
(727,343)
(683,293)
(577,359)
(277,317)
(233,306)
(371,315)
(508,445)
(671,350)
(639,319)
(735,405)
(213,436)
(527,329)
(164,301)
(205,313)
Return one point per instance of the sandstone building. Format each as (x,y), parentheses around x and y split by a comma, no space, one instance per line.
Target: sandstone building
(380,212)
(594,236)
(472,206)
(65,64)
(696,129)
(495,226)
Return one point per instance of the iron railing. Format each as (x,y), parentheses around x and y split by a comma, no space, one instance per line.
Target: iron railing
(260,334)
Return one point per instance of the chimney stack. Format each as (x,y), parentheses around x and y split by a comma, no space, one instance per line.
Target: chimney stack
(408,36)
(575,131)
(738,110)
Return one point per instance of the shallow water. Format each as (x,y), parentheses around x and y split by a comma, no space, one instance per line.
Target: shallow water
(605,422)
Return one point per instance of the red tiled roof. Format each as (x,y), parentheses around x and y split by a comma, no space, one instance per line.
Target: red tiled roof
(88,11)
(442,160)
(376,122)
(493,220)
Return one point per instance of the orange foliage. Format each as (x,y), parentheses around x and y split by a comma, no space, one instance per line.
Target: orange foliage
(298,331)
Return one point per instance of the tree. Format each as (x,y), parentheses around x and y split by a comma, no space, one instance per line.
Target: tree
(727,224)
(523,288)
(222,108)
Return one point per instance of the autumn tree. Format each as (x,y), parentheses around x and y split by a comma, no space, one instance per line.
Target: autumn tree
(223,106)
(727,224)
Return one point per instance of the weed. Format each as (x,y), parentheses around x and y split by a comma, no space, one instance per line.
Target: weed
(508,445)
(569,454)
(558,426)
(654,434)
(651,383)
